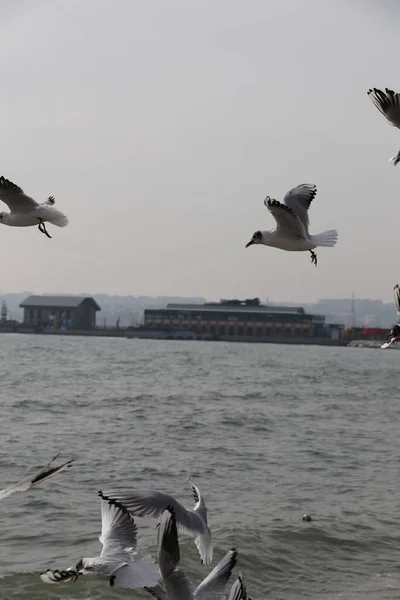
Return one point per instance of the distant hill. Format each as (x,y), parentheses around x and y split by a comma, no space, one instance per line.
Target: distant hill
(369,313)
(129,309)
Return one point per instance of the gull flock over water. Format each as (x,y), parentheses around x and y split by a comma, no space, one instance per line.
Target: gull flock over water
(167,581)
(115,563)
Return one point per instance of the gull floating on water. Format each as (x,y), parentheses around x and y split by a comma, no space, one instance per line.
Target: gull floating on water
(25,211)
(175,585)
(40,475)
(388,103)
(146,502)
(119,540)
(395,331)
(292,223)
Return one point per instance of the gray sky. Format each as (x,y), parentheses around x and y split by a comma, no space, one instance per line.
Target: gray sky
(160,126)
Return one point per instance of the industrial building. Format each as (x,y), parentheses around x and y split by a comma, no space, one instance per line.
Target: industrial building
(246,320)
(60,312)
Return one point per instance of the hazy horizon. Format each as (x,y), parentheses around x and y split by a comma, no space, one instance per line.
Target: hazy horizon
(160,128)
(264,299)
(129,309)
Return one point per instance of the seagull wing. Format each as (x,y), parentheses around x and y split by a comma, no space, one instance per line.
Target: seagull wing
(213,586)
(119,539)
(174,578)
(40,475)
(288,223)
(151,503)
(15,198)
(396,290)
(388,103)
(299,199)
(118,532)
(238,590)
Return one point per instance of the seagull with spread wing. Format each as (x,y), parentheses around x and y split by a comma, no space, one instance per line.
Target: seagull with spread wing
(395,331)
(292,223)
(25,211)
(388,103)
(40,475)
(119,540)
(152,503)
(175,585)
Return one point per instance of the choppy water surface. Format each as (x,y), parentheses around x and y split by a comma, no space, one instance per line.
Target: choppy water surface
(268,432)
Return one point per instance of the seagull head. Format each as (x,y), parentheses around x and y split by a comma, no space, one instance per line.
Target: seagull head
(395,159)
(257,238)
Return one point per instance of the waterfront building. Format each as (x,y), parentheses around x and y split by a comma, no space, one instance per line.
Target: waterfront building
(60,312)
(239,319)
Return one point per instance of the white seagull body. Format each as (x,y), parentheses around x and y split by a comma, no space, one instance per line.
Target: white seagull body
(25,211)
(292,223)
(119,540)
(388,103)
(146,502)
(40,475)
(395,331)
(175,585)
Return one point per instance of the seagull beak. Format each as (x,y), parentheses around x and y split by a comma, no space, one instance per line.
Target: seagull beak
(75,577)
(249,243)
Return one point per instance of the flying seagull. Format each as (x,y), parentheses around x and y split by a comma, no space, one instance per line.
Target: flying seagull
(175,585)
(292,223)
(119,540)
(395,331)
(40,475)
(146,502)
(25,211)
(388,103)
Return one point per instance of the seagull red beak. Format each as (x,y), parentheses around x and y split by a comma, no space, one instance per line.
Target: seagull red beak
(75,577)
(249,243)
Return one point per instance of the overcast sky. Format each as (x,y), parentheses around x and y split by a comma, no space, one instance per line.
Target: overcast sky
(160,126)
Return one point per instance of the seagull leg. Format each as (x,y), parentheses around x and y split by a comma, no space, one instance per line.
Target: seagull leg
(42,228)
(313,257)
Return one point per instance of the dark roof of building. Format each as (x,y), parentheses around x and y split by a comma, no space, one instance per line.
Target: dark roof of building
(241,308)
(58,302)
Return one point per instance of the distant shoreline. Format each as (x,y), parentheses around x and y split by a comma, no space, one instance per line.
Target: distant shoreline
(175,336)
(184,335)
